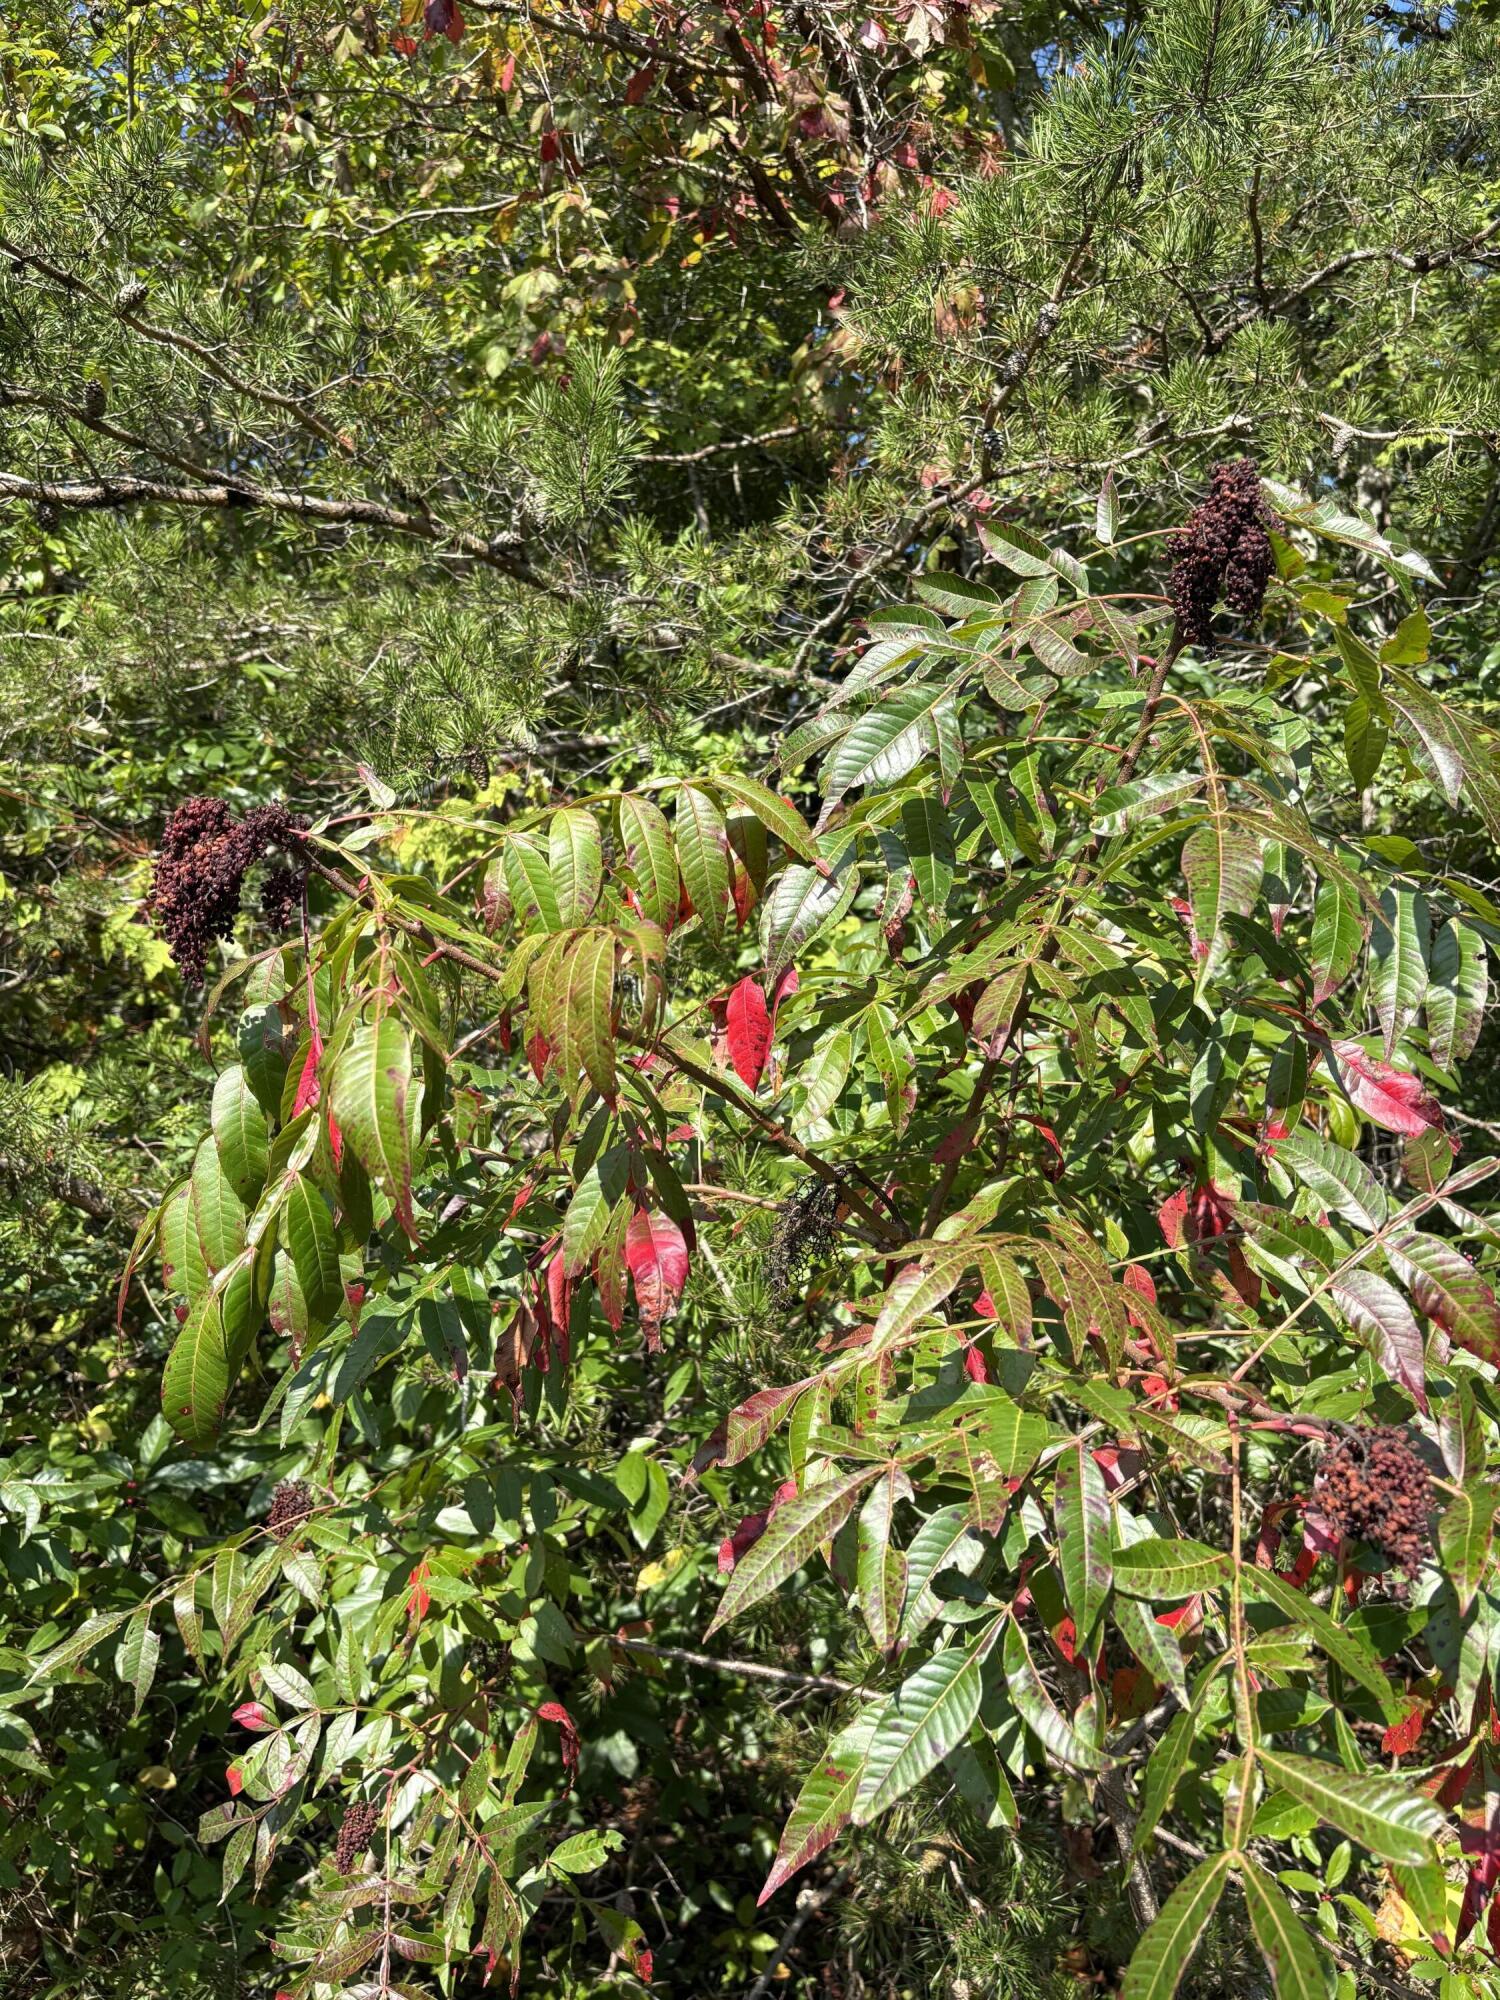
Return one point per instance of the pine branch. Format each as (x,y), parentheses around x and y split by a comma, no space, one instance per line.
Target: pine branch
(123,309)
(227,492)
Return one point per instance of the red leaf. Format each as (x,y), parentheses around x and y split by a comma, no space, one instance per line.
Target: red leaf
(974,1364)
(1392,1098)
(747,1023)
(570,1741)
(742,892)
(1053,1168)
(419,1601)
(984,1305)
(964,1003)
(559,1306)
(443,18)
(538,1052)
(750,1530)
(1401,1737)
(658,1260)
(1209,1213)
(640,83)
(1136,1278)
(784,988)
(251,1715)
(234,1781)
(1171,1215)
(308,1088)
(507,74)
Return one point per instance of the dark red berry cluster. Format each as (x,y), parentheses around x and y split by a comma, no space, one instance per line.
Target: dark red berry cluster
(281,897)
(359,1822)
(291,1503)
(1223,551)
(205,855)
(1374,1488)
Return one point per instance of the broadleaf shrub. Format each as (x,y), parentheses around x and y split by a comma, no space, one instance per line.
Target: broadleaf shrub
(1140,1340)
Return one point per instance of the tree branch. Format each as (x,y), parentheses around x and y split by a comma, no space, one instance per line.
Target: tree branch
(229,492)
(750,1670)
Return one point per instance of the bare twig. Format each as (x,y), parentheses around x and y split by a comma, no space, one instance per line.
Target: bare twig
(750,1670)
(808,1905)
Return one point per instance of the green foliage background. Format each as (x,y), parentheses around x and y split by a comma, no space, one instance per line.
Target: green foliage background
(476,413)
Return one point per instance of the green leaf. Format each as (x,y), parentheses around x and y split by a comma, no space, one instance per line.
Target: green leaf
(528,878)
(137,1658)
(237,1853)
(802,904)
(648,853)
(1221,864)
(703,852)
(927,835)
(287,1684)
(240,1133)
(929,1714)
(1340,1643)
(581,1027)
(1340,1179)
(1464,1534)
(1017,549)
(1163,1954)
(1338,932)
(1039,1712)
(1154,1645)
(308,1235)
(375,1102)
(796,1530)
(1084,1537)
(1366,733)
(57,1659)
(981,1779)
(1398,961)
(1160,1569)
(1164,1768)
(196,1381)
(586,1219)
(184,1270)
(880,1570)
(919,1290)
(946,1540)
(958,596)
(776,814)
(189,1619)
(825,1805)
(1124,806)
(1456,993)
(575,862)
(218,1212)
(260,1039)
(1285,1944)
(887,741)
(1385,1816)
